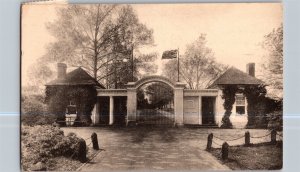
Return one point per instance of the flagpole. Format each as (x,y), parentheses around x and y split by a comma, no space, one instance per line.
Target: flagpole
(178,64)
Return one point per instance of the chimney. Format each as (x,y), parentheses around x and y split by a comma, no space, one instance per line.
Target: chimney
(251,69)
(61,70)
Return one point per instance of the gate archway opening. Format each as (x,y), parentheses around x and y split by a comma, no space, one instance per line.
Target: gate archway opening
(155,103)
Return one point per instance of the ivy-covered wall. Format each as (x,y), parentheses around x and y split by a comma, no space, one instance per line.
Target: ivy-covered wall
(84,97)
(257,110)
(257,104)
(228,95)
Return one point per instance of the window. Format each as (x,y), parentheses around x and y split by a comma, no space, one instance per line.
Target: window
(240,100)
(240,110)
(240,104)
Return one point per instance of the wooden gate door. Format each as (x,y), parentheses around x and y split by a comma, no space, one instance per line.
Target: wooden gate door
(208,110)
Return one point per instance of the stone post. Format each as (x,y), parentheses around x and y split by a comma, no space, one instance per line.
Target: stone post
(225,148)
(247,138)
(82,151)
(95,141)
(273,136)
(209,141)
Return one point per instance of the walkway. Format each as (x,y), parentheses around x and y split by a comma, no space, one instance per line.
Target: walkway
(141,148)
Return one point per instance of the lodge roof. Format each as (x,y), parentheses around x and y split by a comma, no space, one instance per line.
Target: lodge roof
(76,77)
(234,76)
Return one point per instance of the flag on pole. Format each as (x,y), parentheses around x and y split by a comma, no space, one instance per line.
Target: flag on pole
(171,54)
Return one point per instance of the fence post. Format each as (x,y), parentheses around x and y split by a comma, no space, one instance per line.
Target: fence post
(95,141)
(247,138)
(225,148)
(273,136)
(209,141)
(82,151)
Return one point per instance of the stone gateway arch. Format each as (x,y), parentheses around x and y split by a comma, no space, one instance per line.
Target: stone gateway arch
(189,106)
(187,102)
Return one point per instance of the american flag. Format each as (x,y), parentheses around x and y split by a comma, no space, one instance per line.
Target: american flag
(171,54)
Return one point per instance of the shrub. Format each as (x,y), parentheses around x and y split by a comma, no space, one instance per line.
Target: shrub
(34,111)
(37,119)
(33,105)
(43,143)
(275,120)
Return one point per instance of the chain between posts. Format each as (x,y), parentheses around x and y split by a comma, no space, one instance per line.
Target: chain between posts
(257,137)
(230,139)
(241,137)
(216,143)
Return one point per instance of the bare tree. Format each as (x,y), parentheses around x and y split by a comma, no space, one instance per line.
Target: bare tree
(82,35)
(96,37)
(197,66)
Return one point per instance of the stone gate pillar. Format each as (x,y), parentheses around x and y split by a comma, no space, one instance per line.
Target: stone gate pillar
(178,103)
(95,113)
(131,105)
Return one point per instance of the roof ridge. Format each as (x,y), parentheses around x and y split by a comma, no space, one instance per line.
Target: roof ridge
(78,76)
(234,75)
(217,77)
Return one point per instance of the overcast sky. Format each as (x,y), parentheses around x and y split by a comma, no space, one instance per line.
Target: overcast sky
(234,31)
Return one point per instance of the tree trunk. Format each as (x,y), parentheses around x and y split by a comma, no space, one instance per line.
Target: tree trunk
(229,96)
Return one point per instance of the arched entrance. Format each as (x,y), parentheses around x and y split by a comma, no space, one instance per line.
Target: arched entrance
(155,104)
(169,112)
(183,106)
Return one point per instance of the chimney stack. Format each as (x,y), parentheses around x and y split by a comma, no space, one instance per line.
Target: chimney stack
(251,69)
(61,70)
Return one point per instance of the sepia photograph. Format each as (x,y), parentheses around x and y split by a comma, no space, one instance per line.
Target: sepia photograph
(187,86)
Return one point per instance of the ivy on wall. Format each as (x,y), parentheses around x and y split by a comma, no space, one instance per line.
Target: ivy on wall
(229,92)
(255,95)
(84,97)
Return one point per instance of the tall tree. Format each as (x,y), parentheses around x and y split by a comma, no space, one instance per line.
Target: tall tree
(273,67)
(82,35)
(96,37)
(130,36)
(197,66)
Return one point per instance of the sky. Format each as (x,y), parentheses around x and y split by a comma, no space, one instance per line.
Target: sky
(233,31)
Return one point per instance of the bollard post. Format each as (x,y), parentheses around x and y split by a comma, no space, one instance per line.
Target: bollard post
(209,141)
(273,136)
(225,148)
(247,138)
(82,151)
(95,141)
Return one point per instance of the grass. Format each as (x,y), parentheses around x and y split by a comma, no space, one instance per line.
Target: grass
(255,157)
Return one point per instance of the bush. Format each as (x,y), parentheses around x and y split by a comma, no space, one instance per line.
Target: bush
(34,111)
(43,143)
(33,105)
(275,120)
(37,119)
